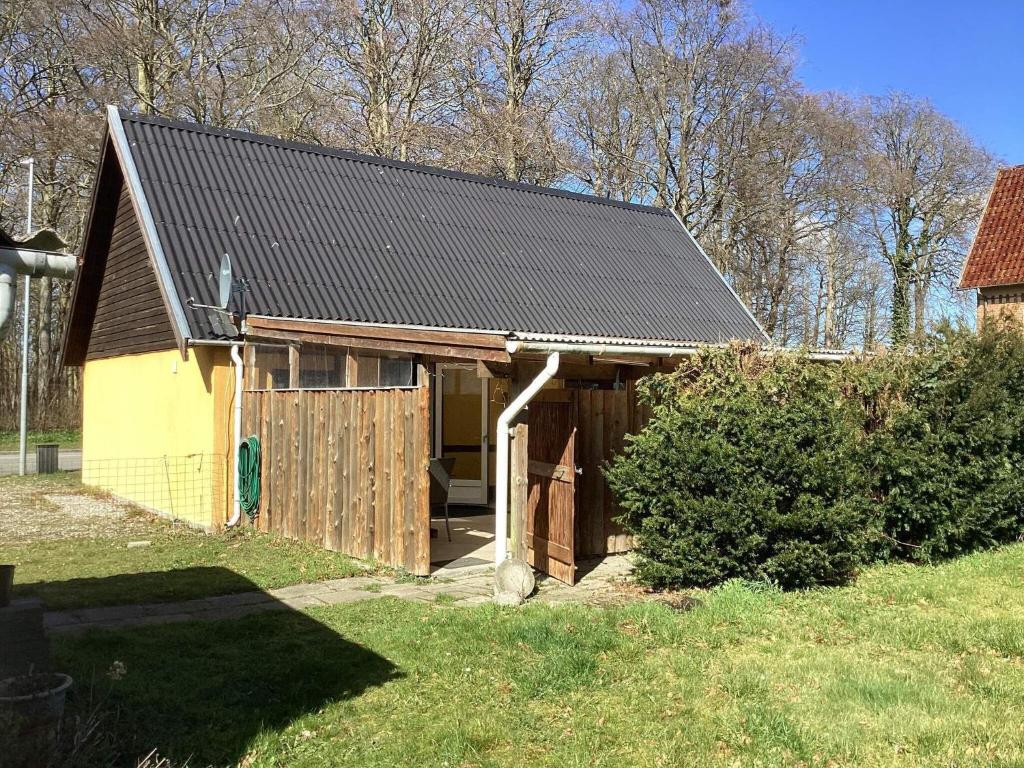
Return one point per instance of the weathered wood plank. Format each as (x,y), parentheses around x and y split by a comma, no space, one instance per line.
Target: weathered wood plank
(364,462)
(616,536)
(359,528)
(401,539)
(345,436)
(381,510)
(558,472)
(330,479)
(519,491)
(294,459)
(446,337)
(420,466)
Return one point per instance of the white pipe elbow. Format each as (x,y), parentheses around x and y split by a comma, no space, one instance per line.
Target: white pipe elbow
(501,480)
(7,291)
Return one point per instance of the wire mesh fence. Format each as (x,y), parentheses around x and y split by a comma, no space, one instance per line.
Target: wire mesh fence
(192,488)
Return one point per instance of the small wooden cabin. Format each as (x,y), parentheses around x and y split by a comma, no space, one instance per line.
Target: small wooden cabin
(394,312)
(995,263)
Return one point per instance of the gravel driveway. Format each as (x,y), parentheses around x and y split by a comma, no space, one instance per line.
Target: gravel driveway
(38,509)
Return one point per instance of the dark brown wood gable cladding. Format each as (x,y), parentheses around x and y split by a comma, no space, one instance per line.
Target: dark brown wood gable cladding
(130,315)
(89,275)
(459,345)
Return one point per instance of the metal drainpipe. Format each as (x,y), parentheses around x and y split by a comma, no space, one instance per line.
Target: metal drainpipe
(236,359)
(23,424)
(501,489)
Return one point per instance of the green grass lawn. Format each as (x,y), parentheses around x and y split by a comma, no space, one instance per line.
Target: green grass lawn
(912,666)
(179,563)
(9,441)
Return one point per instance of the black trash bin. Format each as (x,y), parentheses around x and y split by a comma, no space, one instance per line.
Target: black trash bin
(47,458)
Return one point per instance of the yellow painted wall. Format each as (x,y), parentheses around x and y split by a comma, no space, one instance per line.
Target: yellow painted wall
(156,430)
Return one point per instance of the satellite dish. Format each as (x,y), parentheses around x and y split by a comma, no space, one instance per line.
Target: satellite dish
(225,281)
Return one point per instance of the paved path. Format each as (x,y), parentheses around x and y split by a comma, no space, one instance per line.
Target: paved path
(599,585)
(69,459)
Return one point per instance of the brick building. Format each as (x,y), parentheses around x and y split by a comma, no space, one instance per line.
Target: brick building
(995,263)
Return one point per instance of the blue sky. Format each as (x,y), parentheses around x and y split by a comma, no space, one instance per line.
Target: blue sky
(967,57)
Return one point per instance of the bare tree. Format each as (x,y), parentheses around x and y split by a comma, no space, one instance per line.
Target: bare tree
(926,185)
(397,64)
(232,63)
(601,116)
(517,69)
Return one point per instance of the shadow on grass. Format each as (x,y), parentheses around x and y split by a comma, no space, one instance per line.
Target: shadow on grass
(129,588)
(201,691)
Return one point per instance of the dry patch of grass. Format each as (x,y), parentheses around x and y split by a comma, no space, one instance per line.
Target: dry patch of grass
(77,548)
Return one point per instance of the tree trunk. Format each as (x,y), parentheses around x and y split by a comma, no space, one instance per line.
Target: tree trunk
(900,308)
(869,324)
(829,278)
(920,305)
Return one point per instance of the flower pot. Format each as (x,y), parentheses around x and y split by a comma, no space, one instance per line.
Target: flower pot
(6,584)
(31,707)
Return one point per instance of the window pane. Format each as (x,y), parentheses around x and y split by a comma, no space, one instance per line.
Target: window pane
(367,371)
(270,369)
(396,372)
(321,367)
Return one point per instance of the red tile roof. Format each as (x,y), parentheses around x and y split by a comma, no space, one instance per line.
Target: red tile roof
(997,254)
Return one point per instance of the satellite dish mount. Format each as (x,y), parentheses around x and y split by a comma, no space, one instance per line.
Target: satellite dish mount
(229,286)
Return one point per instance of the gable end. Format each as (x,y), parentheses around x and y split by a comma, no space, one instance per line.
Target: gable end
(130,314)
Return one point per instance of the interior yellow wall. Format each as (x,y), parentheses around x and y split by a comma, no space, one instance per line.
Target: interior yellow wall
(156,430)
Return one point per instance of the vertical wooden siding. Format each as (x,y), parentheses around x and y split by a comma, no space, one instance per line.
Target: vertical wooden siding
(604,418)
(346,470)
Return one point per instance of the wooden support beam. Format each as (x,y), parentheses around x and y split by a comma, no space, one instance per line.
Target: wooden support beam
(293,366)
(461,345)
(520,489)
(383,345)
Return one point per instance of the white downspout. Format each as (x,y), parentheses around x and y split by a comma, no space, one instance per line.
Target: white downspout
(501,488)
(236,359)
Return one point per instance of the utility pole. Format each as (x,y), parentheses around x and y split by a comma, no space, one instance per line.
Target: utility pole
(23,439)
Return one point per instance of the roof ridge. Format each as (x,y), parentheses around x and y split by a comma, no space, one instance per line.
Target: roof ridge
(298,146)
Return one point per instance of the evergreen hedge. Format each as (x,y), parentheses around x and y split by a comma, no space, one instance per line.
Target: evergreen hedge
(796,472)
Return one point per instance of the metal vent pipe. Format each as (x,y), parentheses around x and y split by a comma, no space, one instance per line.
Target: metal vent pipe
(24,261)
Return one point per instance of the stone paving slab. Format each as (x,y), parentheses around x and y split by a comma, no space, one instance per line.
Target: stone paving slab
(597,586)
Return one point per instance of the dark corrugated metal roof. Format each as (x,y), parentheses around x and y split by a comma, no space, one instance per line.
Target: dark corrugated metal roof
(332,235)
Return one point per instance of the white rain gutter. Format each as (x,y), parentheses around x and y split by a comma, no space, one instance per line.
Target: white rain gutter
(236,360)
(597,349)
(23,261)
(656,350)
(501,484)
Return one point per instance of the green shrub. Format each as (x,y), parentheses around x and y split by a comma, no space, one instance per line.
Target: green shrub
(795,472)
(948,466)
(746,470)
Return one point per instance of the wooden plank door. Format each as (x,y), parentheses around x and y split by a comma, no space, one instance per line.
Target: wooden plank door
(551,504)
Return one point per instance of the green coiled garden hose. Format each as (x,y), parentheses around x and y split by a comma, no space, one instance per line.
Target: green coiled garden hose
(249,476)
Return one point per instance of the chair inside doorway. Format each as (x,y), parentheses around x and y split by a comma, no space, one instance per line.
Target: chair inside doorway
(465,408)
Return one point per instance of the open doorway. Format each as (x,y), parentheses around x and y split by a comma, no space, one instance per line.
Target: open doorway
(460,431)
(466,408)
